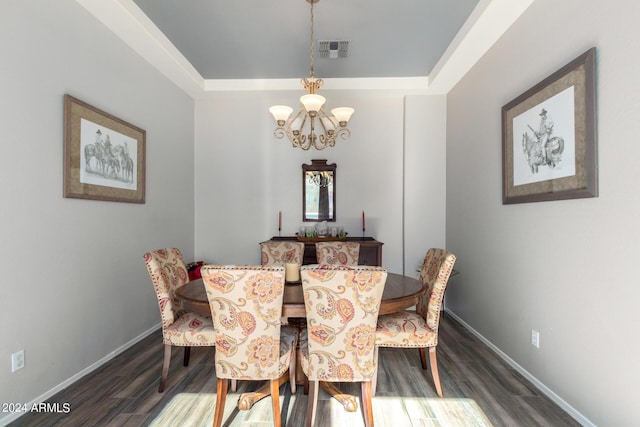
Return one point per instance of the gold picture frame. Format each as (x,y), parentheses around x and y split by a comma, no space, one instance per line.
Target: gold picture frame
(549,149)
(104,156)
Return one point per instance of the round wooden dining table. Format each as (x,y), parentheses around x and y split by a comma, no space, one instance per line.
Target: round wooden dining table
(400,292)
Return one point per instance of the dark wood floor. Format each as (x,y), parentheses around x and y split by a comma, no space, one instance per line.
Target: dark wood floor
(479,388)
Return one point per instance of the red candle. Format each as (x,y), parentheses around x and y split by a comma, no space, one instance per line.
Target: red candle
(363,228)
(279,220)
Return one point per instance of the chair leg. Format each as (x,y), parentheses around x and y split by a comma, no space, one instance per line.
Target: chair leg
(434,370)
(187,353)
(234,385)
(313,403)
(292,374)
(374,378)
(275,401)
(165,367)
(367,407)
(221,398)
(423,357)
(305,385)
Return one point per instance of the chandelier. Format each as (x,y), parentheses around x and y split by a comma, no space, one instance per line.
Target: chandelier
(312,126)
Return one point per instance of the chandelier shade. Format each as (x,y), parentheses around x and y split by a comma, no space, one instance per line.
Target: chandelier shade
(311,126)
(281,112)
(342,114)
(312,102)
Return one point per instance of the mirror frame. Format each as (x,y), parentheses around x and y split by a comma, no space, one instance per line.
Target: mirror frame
(317,165)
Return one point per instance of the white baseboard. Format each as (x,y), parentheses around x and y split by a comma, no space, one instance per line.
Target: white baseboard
(539,385)
(15,415)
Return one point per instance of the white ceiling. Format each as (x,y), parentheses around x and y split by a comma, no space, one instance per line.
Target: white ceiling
(213,45)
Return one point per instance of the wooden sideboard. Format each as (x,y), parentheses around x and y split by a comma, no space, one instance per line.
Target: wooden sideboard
(370,249)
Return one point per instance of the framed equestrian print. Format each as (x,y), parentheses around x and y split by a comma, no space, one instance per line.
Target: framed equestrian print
(104,156)
(549,149)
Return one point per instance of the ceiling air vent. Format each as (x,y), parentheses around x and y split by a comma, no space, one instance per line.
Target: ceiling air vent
(333,48)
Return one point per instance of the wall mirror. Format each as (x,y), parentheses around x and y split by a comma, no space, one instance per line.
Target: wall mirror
(319,191)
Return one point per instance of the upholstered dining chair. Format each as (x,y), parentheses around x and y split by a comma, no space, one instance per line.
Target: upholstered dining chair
(251,344)
(337,253)
(281,252)
(419,328)
(179,328)
(342,305)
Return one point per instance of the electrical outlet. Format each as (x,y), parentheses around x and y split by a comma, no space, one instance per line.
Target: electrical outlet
(17,360)
(535,338)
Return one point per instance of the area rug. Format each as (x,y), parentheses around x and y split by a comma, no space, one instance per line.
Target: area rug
(446,412)
(197,410)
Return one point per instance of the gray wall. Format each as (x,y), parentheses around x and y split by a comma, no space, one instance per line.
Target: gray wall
(244,176)
(565,268)
(74,287)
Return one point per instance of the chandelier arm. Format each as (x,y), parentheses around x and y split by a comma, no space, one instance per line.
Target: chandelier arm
(302,142)
(327,140)
(298,140)
(304,118)
(323,114)
(279,133)
(344,133)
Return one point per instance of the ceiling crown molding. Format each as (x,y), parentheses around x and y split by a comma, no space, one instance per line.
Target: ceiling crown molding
(488,21)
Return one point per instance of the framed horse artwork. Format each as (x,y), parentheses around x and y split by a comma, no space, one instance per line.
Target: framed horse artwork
(104,156)
(549,149)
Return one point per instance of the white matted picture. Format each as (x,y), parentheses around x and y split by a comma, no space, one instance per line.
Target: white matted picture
(103,155)
(549,137)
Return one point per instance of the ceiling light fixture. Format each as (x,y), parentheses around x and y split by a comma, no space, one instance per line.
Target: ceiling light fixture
(301,129)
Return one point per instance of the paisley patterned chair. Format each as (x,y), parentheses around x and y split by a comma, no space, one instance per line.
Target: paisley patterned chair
(280,253)
(337,253)
(251,344)
(179,328)
(419,328)
(342,305)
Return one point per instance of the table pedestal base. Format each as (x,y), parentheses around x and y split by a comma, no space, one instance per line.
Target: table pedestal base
(349,401)
(247,400)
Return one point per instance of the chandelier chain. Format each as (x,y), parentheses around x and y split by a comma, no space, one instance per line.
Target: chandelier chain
(311,42)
